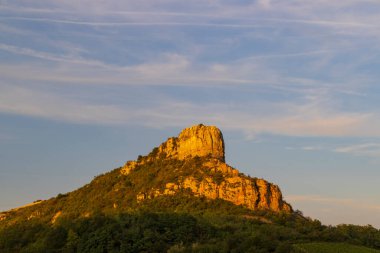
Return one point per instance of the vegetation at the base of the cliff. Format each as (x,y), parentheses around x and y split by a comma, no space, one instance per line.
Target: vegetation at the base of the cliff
(220,227)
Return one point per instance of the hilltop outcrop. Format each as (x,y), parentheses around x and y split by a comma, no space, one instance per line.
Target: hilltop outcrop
(213,178)
(194,141)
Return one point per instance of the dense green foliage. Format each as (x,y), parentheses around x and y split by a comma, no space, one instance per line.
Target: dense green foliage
(208,226)
(331,248)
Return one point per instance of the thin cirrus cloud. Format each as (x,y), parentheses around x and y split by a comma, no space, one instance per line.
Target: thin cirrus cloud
(363,149)
(299,11)
(366,149)
(23,101)
(254,22)
(295,118)
(268,71)
(170,69)
(113,24)
(47,56)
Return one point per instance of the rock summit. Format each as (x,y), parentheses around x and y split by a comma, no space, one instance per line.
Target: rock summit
(199,140)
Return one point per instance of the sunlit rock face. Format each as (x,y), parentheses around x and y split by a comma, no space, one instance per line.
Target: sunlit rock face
(231,185)
(240,191)
(253,193)
(194,141)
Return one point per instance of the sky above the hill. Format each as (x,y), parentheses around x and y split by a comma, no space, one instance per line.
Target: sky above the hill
(293,85)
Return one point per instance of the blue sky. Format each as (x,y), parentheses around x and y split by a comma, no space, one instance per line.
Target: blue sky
(293,85)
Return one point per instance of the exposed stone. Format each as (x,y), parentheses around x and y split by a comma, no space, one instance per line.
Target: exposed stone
(255,194)
(215,165)
(2,216)
(198,140)
(194,141)
(207,142)
(140,197)
(128,167)
(34,215)
(171,189)
(55,217)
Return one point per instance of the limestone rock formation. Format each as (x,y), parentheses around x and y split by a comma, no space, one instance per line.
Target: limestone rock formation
(194,141)
(217,180)
(256,194)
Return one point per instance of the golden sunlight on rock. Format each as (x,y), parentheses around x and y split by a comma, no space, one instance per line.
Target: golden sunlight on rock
(55,217)
(225,182)
(197,140)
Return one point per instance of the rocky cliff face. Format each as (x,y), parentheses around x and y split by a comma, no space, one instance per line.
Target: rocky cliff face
(228,184)
(214,179)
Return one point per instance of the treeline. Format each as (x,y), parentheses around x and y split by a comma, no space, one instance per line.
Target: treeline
(178,232)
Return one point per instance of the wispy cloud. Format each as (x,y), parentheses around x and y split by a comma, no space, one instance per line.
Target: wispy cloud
(168,69)
(297,12)
(296,85)
(321,22)
(91,23)
(168,113)
(364,149)
(289,55)
(311,112)
(311,148)
(48,56)
(27,102)
(367,149)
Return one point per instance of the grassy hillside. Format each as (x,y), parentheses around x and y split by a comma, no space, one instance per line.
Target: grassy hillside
(332,248)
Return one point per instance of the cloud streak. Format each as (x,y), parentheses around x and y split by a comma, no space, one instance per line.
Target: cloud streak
(48,56)
(169,69)
(169,113)
(91,23)
(364,149)
(305,76)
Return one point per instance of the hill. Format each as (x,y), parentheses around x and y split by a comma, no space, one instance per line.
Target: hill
(190,164)
(181,197)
